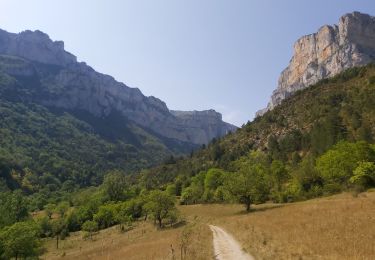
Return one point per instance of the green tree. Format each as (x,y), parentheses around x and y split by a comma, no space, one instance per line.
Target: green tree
(213,179)
(171,189)
(133,207)
(62,208)
(21,240)
(160,205)
(49,209)
(13,208)
(115,185)
(90,227)
(106,216)
(364,174)
(306,181)
(45,226)
(59,229)
(192,194)
(278,174)
(273,147)
(337,164)
(249,184)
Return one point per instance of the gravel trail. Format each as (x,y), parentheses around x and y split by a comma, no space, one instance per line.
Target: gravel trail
(226,247)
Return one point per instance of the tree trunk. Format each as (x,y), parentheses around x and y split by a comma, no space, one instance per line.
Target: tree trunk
(248,206)
(57,241)
(159,219)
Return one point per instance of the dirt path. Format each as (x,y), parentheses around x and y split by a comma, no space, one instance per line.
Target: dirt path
(226,247)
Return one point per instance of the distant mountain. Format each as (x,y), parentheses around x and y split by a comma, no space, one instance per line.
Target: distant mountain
(326,53)
(61,117)
(62,82)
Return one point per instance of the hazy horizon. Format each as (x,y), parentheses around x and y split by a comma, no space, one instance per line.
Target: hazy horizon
(192,55)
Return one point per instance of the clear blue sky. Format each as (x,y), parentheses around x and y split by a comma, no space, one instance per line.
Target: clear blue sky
(192,54)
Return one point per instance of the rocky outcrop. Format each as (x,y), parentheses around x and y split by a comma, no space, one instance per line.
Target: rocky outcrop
(35,46)
(67,84)
(204,124)
(326,53)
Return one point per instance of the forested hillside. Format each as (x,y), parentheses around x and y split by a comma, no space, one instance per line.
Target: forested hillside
(293,147)
(42,146)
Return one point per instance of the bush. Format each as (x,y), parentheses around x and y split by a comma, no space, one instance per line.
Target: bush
(364,175)
(106,216)
(90,227)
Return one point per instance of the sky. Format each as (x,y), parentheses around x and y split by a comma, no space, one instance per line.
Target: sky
(192,54)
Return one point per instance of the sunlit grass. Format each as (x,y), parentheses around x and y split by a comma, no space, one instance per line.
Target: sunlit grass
(337,227)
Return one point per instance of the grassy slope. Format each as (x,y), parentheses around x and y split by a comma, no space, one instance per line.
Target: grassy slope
(336,227)
(143,242)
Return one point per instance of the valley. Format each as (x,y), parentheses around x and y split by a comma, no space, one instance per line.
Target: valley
(91,168)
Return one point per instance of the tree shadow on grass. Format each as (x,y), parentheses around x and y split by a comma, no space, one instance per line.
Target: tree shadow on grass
(260,209)
(174,225)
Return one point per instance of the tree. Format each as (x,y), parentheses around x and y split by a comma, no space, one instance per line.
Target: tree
(171,189)
(62,208)
(213,179)
(192,194)
(20,240)
(45,226)
(273,147)
(278,177)
(124,220)
(248,185)
(49,209)
(59,229)
(160,205)
(106,216)
(132,208)
(13,208)
(364,174)
(337,165)
(114,186)
(278,173)
(90,227)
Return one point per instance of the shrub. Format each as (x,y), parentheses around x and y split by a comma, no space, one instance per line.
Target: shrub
(90,227)
(106,216)
(364,175)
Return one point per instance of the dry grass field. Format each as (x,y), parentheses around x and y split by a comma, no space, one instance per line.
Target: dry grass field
(144,241)
(337,227)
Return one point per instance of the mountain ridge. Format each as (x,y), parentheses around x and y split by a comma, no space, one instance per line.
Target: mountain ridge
(99,94)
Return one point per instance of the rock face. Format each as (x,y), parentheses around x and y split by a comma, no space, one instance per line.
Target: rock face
(326,53)
(204,124)
(70,85)
(35,46)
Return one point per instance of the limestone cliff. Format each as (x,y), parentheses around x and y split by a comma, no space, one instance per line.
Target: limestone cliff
(326,53)
(203,124)
(64,83)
